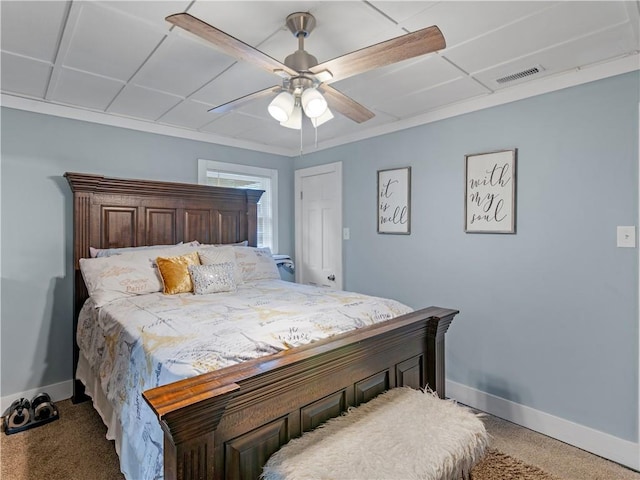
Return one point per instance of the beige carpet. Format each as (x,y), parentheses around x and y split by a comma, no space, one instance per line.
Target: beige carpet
(500,466)
(74,448)
(562,460)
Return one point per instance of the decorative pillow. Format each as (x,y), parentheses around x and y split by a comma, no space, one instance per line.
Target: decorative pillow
(214,278)
(212,255)
(108,252)
(175,272)
(256,263)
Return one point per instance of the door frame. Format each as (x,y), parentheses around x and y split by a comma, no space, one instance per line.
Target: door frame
(335,167)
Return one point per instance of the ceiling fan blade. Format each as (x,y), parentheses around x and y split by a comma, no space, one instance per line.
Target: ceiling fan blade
(238,102)
(228,44)
(420,42)
(348,107)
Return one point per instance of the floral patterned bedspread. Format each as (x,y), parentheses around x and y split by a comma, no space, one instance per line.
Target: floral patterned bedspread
(141,342)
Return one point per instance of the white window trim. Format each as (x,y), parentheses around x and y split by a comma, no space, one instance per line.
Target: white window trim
(205,165)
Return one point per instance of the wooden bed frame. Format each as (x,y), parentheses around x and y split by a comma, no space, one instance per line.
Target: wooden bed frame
(225,424)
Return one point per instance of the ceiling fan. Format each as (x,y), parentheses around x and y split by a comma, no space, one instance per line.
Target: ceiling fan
(305,83)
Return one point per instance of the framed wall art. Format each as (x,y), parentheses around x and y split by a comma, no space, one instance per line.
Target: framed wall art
(490,192)
(394,201)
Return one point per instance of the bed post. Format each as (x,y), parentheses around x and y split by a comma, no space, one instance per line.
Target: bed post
(189,446)
(434,358)
(81,209)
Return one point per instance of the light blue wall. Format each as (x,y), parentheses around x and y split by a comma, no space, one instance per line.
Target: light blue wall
(549,316)
(37,287)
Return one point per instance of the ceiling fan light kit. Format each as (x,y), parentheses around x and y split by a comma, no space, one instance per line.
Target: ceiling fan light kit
(325,117)
(281,107)
(305,83)
(295,119)
(313,103)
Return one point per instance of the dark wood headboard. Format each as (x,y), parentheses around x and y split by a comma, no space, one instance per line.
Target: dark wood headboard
(115,212)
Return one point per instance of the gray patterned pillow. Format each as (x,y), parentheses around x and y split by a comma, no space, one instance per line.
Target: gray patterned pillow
(214,278)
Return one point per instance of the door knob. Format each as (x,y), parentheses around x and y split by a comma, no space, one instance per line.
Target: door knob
(331,277)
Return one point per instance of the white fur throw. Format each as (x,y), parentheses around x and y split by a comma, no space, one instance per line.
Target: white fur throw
(401,434)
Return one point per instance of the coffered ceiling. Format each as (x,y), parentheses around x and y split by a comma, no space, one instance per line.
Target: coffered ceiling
(121,63)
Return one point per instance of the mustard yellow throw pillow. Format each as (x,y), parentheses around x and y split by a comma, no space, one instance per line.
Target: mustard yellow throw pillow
(175,272)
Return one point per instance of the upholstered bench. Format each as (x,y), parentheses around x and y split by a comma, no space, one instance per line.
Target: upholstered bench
(401,434)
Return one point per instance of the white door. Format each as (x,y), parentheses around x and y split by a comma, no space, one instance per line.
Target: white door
(318,211)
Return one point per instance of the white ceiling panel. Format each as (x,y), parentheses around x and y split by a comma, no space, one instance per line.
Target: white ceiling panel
(238,125)
(233,124)
(341,124)
(588,50)
(107,42)
(463,21)
(32,29)
(337,31)
(418,102)
(564,22)
(136,101)
(238,81)
(340,29)
(122,57)
(85,90)
(189,114)
(257,108)
(251,22)
(410,75)
(181,66)
(24,75)
(153,13)
(269,133)
(402,12)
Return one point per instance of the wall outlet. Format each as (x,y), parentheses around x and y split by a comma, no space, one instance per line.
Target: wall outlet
(627,236)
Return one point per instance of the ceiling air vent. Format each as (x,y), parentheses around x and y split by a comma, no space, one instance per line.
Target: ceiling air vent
(524,73)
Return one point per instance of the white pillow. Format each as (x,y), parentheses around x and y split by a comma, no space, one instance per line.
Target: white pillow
(243,243)
(212,255)
(256,263)
(120,276)
(108,252)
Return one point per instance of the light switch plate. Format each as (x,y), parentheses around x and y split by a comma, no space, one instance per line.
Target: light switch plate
(346,233)
(627,236)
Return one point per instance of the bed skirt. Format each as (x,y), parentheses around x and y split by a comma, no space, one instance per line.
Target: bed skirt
(129,466)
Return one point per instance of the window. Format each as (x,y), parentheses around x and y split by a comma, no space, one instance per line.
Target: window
(221,174)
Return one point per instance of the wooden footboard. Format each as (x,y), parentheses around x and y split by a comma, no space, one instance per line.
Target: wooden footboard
(226,424)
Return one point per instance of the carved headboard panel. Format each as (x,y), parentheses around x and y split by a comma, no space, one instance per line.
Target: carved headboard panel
(114,212)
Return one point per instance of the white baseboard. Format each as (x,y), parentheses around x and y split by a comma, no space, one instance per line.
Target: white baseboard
(603,444)
(57,392)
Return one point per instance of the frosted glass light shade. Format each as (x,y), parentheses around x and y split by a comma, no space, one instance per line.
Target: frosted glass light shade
(295,119)
(325,117)
(281,107)
(313,103)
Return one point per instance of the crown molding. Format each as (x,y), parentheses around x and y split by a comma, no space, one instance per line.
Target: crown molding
(76,113)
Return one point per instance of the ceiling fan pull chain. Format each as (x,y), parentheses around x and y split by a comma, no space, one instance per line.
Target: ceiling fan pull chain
(315,127)
(301,138)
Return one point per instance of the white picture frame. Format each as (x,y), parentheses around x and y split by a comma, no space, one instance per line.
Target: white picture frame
(394,201)
(490,192)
